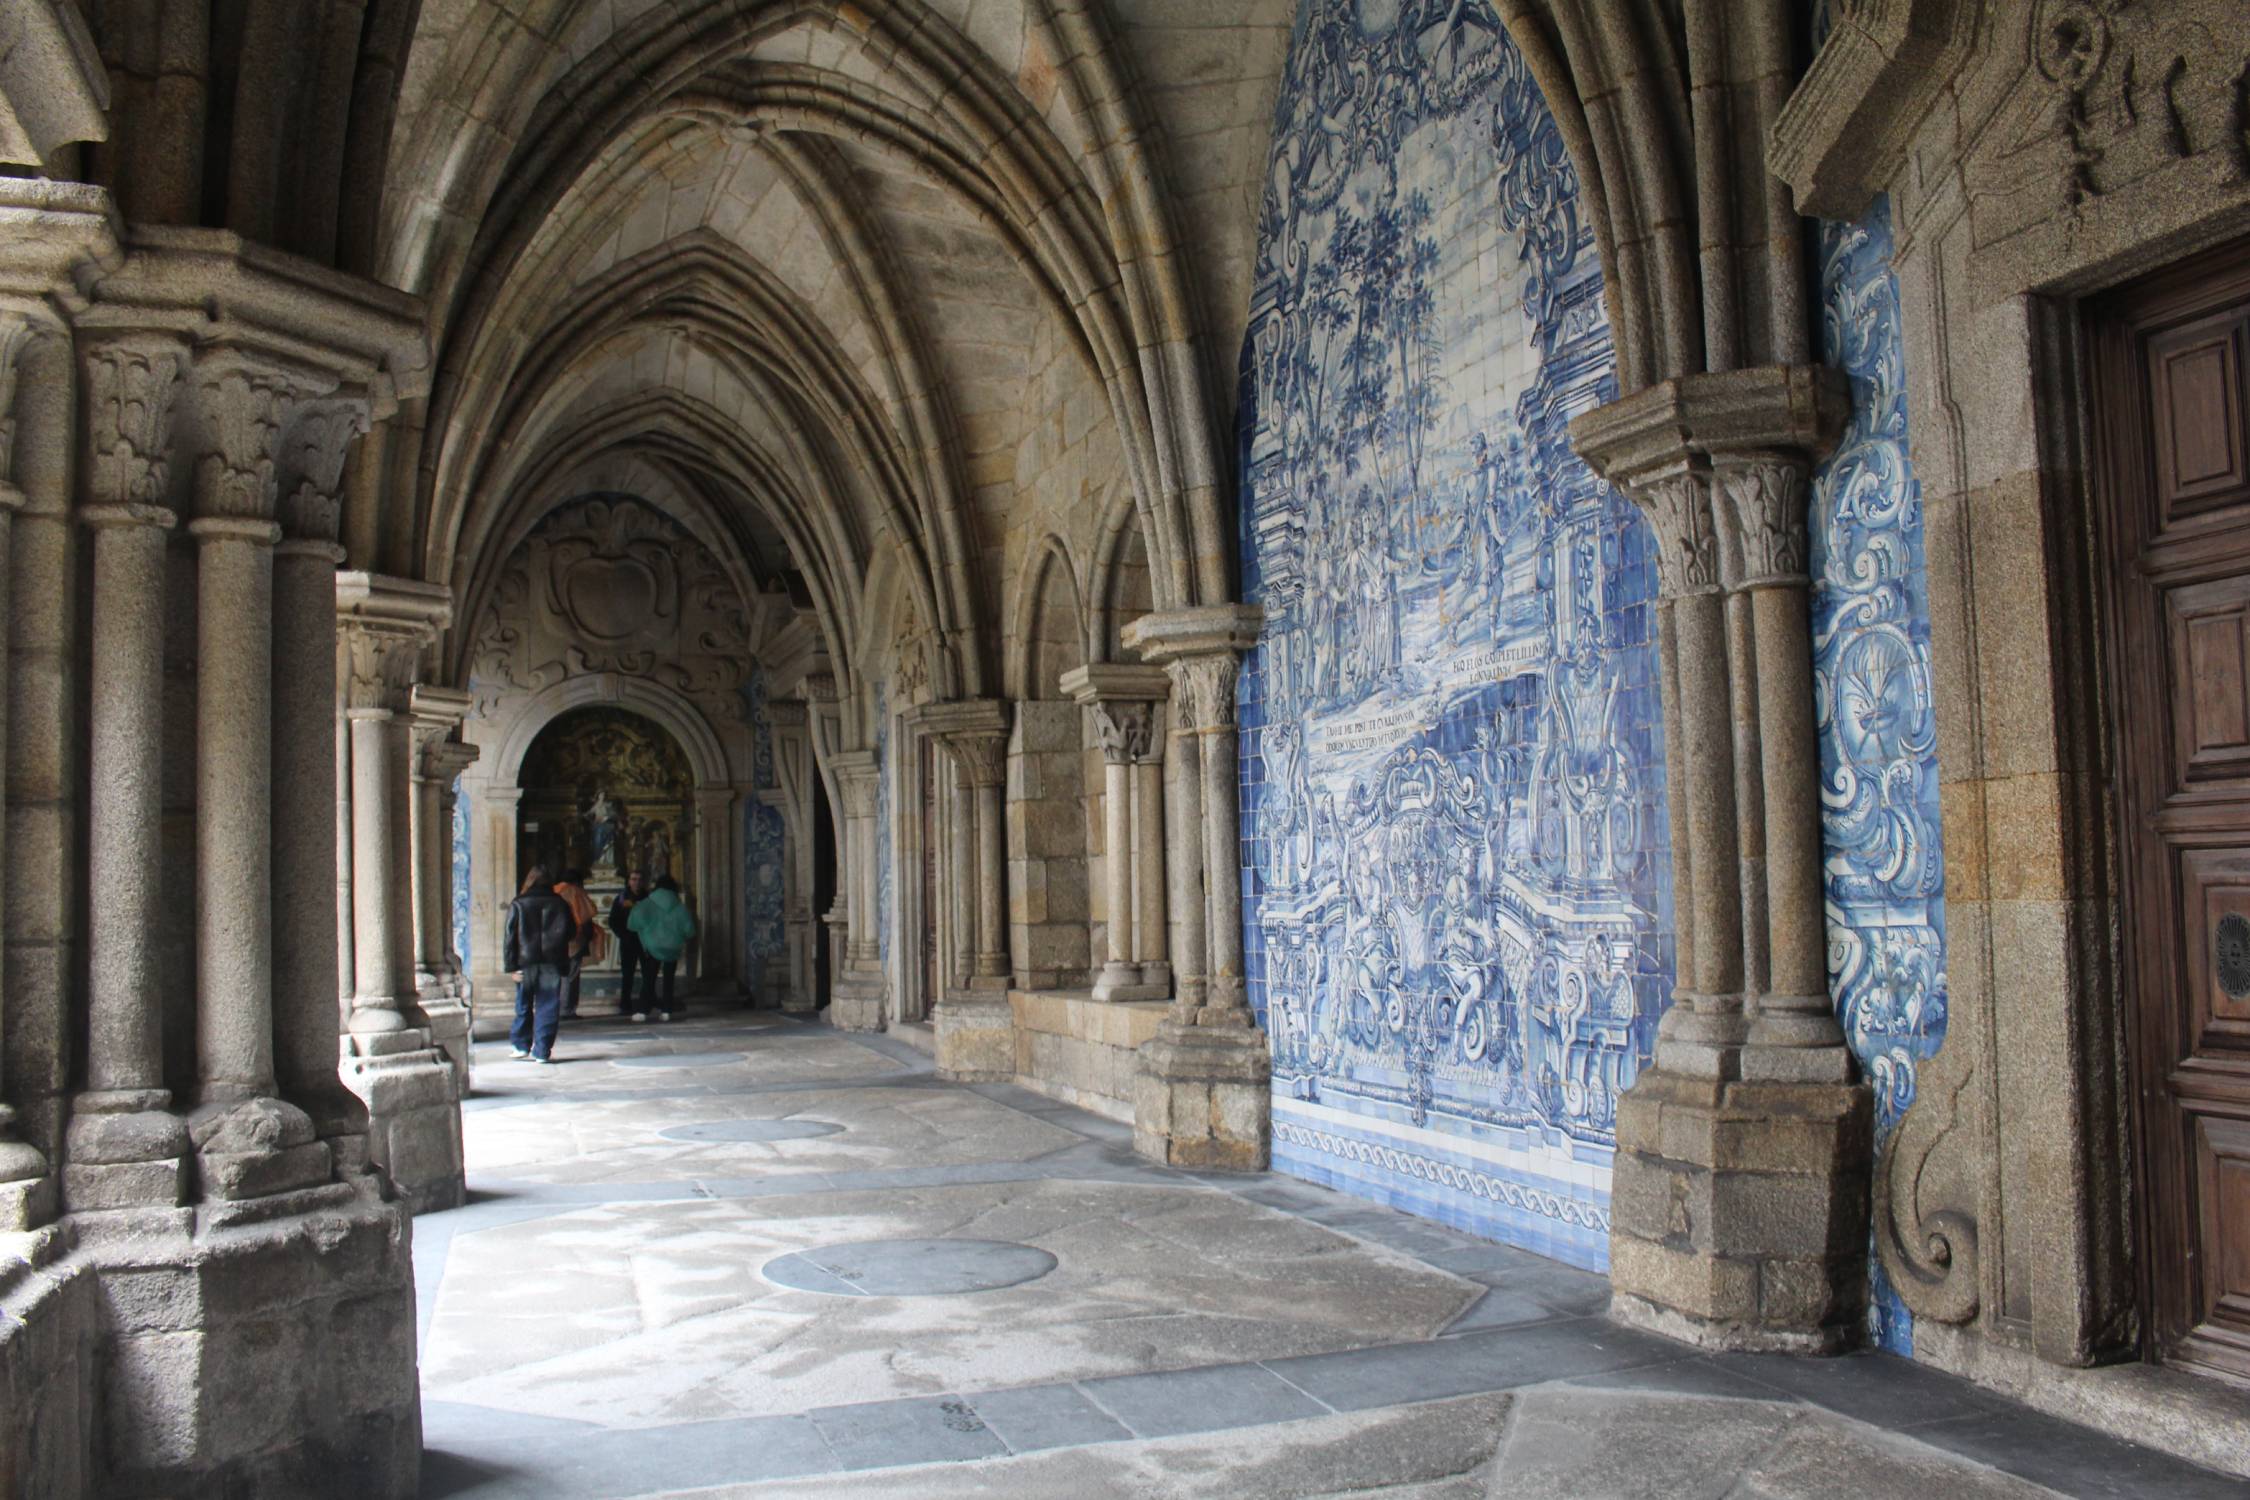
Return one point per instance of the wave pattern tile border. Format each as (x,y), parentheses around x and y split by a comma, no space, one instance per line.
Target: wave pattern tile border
(1873,688)
(1456,877)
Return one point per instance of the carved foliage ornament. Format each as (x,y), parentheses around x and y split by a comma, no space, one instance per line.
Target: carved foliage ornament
(380,664)
(1765,512)
(1121,729)
(17,334)
(243,407)
(983,755)
(1687,552)
(132,386)
(318,443)
(1203,688)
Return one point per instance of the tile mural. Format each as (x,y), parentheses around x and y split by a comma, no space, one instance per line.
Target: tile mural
(1456,873)
(461,874)
(1885,865)
(764,936)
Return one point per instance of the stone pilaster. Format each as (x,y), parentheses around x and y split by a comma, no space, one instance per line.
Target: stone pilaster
(1124,705)
(391,1057)
(1739,1205)
(27,1196)
(1203,1096)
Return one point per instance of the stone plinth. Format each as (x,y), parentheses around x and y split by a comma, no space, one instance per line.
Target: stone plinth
(976,1041)
(1203,1098)
(1739,1212)
(856,1004)
(265,1353)
(413,1115)
(1083,1051)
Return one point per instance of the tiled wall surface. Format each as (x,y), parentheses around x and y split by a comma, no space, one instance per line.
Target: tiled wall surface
(1878,732)
(460,875)
(1453,820)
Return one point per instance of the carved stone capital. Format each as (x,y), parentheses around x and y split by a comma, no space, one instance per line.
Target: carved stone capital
(242,403)
(314,450)
(1764,542)
(18,333)
(1844,132)
(1203,689)
(433,714)
(382,625)
(1121,728)
(132,388)
(858,779)
(1678,507)
(975,732)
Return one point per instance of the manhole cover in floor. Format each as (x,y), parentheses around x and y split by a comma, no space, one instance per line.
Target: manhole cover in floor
(679,1060)
(910,1268)
(752,1130)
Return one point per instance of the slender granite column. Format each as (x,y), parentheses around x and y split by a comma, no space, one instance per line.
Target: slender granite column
(125,1146)
(975,731)
(1122,699)
(1149,946)
(1203,1095)
(25,1195)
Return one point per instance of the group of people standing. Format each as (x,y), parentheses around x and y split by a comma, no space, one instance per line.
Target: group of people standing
(552,935)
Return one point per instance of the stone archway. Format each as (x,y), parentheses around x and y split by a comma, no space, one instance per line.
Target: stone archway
(705,834)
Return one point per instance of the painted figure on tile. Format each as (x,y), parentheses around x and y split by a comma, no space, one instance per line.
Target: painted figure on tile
(1454,775)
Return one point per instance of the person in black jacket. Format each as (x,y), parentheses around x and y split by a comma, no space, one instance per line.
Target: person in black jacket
(542,932)
(630,961)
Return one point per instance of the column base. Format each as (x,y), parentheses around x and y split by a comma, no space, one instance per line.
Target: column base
(1738,1212)
(255,1148)
(976,1037)
(413,1115)
(856,1003)
(243,1354)
(1122,982)
(125,1151)
(1203,1098)
(449,1028)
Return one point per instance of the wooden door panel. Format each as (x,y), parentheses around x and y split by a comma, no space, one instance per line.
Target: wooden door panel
(2169,358)
(2195,385)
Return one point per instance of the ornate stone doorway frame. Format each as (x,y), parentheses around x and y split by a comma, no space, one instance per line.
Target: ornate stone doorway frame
(494,797)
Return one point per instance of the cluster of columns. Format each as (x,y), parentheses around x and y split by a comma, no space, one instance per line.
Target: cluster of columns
(974,732)
(1125,706)
(406,1044)
(857,988)
(1203,1094)
(1740,1185)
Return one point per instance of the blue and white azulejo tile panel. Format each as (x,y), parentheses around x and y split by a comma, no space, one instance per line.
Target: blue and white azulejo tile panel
(460,874)
(1456,877)
(1885,864)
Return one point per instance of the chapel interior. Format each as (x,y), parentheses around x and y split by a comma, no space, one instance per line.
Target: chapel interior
(1426,748)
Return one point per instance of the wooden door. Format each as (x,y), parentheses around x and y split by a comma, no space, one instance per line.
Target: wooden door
(2172,423)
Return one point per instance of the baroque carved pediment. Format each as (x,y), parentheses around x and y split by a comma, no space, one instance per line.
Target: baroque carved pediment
(613,585)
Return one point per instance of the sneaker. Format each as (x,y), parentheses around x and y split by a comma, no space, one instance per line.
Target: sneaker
(520,1055)
(545,1061)
(664,1015)
(640,1017)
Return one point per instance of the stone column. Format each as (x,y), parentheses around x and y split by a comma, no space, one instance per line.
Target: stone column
(1149,946)
(719,894)
(26,1191)
(249,1141)
(1121,701)
(434,716)
(306,1018)
(410,1077)
(856,999)
(1740,1184)
(1203,1095)
(125,1145)
(794,770)
(975,732)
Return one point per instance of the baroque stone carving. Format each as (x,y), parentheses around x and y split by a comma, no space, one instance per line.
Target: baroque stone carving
(613,585)
(132,386)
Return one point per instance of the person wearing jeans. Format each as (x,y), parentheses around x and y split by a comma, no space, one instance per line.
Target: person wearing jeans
(541,934)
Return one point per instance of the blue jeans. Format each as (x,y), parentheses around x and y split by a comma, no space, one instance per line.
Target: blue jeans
(538,999)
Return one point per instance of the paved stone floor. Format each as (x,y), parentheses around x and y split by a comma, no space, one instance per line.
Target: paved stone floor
(696,1260)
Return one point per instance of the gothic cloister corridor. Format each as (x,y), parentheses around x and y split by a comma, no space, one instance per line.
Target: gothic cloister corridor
(612,1315)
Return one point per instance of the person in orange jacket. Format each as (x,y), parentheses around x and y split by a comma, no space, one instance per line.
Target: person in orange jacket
(587,946)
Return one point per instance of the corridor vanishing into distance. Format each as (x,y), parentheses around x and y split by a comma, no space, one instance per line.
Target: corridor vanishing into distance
(753,1256)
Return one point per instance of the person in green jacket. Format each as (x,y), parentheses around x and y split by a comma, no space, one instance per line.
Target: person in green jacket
(663,923)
